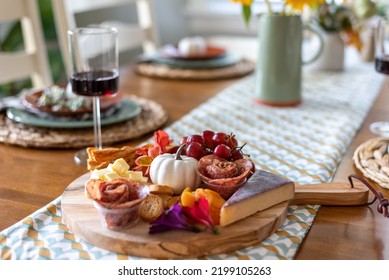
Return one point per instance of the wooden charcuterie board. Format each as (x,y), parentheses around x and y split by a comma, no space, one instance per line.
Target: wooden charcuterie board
(82,219)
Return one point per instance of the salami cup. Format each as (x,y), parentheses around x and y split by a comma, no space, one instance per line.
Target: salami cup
(119,217)
(223,176)
(117,201)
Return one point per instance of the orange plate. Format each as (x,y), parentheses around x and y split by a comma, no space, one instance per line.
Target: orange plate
(211,52)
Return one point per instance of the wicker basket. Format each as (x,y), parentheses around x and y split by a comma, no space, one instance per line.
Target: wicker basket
(372,159)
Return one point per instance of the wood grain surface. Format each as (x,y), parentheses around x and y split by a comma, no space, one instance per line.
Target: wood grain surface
(336,194)
(82,218)
(79,214)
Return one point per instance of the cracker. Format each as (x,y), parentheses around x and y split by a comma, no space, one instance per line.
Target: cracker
(100,158)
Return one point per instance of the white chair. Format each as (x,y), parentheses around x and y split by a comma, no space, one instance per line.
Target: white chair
(32,62)
(131,36)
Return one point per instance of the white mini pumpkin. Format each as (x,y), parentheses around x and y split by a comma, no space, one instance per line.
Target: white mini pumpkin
(192,46)
(175,170)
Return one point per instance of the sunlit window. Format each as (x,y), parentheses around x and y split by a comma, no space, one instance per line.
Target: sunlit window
(223,17)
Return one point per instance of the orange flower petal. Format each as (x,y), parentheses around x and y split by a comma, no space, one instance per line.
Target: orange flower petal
(154,152)
(142,151)
(161,139)
(143,161)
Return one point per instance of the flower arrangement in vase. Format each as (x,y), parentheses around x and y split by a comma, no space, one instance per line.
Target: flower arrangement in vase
(339,27)
(341,18)
(288,7)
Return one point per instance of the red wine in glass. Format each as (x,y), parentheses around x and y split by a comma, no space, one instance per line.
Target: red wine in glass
(94,53)
(95,83)
(382,64)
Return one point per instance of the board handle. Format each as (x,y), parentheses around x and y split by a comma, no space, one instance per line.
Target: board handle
(340,194)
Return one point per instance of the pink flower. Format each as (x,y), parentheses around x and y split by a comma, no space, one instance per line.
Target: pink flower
(199,214)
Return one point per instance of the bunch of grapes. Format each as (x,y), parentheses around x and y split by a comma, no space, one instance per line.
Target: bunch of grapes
(209,142)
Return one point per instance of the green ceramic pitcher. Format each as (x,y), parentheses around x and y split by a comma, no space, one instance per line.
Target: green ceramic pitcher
(278,70)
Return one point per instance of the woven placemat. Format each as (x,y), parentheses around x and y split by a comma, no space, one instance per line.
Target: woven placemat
(154,70)
(151,117)
(372,159)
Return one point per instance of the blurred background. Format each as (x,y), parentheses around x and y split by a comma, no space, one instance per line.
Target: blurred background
(174,19)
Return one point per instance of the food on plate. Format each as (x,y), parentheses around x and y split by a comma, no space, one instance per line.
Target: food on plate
(222,164)
(59,99)
(192,46)
(119,217)
(100,158)
(172,200)
(261,191)
(178,217)
(115,192)
(187,197)
(151,208)
(215,201)
(224,176)
(225,191)
(161,190)
(117,200)
(118,169)
(148,152)
(175,199)
(175,170)
(208,142)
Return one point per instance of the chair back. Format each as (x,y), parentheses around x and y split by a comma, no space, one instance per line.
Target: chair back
(32,61)
(141,35)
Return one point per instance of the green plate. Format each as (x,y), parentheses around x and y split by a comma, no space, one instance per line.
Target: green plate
(219,62)
(127,110)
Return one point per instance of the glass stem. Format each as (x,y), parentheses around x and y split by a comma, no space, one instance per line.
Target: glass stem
(97,122)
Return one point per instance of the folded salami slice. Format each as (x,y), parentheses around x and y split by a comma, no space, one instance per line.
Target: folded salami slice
(217,171)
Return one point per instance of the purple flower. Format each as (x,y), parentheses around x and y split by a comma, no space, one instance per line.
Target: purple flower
(173,218)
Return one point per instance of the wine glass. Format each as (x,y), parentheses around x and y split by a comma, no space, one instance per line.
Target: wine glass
(94,54)
(382,66)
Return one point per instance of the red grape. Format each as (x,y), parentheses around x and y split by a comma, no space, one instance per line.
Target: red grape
(207,136)
(220,138)
(236,154)
(195,138)
(173,149)
(195,150)
(232,142)
(183,140)
(222,151)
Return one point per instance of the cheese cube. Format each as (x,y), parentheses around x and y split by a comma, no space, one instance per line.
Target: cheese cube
(144,180)
(110,176)
(99,173)
(134,175)
(110,167)
(120,166)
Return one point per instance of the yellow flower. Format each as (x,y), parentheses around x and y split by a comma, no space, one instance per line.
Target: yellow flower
(299,5)
(295,5)
(243,2)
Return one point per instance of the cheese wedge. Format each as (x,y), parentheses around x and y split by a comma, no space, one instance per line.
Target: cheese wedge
(261,191)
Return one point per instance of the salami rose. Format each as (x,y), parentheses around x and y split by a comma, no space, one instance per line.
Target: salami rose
(224,176)
(115,192)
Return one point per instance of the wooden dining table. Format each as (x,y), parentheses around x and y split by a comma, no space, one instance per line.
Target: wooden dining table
(32,177)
